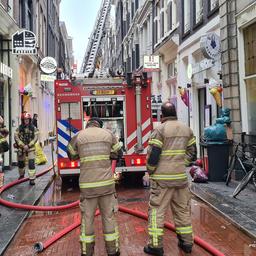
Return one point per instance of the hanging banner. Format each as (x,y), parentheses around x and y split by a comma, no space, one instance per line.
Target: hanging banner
(24,42)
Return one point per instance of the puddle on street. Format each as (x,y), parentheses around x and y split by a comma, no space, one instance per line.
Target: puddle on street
(207,223)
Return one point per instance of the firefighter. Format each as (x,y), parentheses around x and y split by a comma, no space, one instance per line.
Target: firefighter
(172,146)
(25,139)
(95,147)
(4,146)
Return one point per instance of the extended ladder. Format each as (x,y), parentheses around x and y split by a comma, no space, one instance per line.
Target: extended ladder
(88,65)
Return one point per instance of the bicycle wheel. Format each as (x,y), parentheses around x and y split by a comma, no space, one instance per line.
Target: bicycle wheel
(254,179)
(243,183)
(231,168)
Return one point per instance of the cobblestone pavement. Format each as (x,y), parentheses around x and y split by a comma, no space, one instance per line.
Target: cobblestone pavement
(133,231)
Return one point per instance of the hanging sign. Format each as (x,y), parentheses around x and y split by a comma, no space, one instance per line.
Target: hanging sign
(48,65)
(210,45)
(24,42)
(151,63)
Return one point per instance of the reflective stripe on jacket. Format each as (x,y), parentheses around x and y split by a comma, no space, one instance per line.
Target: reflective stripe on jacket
(93,146)
(178,148)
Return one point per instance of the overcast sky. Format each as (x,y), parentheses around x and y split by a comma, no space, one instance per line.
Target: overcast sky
(79,16)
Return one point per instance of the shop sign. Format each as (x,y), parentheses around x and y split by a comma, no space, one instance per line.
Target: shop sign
(202,65)
(151,63)
(48,65)
(24,42)
(47,78)
(5,70)
(210,45)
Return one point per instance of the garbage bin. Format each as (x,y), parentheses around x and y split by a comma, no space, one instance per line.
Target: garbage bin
(215,157)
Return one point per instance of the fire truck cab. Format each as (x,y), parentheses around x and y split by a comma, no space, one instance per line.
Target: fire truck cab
(125,109)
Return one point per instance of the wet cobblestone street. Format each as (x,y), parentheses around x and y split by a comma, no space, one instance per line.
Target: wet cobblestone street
(207,224)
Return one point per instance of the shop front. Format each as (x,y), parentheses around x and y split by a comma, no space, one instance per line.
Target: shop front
(199,76)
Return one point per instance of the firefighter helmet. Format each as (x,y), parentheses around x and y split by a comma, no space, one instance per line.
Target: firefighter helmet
(97,120)
(25,116)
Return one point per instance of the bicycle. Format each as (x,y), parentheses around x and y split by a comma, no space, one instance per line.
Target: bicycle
(251,175)
(240,157)
(246,159)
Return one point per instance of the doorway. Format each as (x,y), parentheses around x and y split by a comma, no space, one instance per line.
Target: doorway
(201,108)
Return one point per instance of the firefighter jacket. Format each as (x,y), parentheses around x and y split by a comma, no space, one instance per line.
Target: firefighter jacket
(26,135)
(4,146)
(176,146)
(94,146)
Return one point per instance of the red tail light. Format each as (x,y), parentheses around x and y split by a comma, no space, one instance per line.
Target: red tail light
(72,164)
(138,161)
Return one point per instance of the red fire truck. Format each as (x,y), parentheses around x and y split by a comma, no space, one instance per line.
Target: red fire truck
(124,108)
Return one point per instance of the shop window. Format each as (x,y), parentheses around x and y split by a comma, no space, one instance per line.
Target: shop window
(249,49)
(251,104)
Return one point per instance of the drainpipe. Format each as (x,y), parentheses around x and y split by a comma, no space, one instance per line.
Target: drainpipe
(9,105)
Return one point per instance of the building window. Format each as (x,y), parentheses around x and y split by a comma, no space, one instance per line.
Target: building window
(10,7)
(136,5)
(162,24)
(169,16)
(172,69)
(250,74)
(249,50)
(251,103)
(198,11)
(155,31)
(132,7)
(29,15)
(186,16)
(213,5)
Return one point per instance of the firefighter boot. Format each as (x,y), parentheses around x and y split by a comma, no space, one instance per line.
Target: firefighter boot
(32,182)
(114,254)
(21,177)
(187,248)
(154,251)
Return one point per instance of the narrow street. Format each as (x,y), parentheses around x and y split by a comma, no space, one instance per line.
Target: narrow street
(207,224)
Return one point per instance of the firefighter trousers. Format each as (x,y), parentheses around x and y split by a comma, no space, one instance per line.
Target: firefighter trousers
(108,207)
(178,199)
(31,164)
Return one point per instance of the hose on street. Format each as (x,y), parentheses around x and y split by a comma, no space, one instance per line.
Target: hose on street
(32,207)
(40,246)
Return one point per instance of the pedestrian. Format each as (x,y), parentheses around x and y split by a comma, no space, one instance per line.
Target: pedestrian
(95,147)
(4,146)
(171,145)
(25,139)
(34,120)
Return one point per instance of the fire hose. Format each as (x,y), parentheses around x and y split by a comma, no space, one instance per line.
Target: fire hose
(40,246)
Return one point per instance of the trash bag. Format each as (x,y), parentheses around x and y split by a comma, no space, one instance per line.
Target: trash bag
(39,155)
(198,174)
(216,132)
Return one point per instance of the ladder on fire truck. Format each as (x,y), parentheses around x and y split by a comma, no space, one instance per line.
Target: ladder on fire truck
(93,47)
